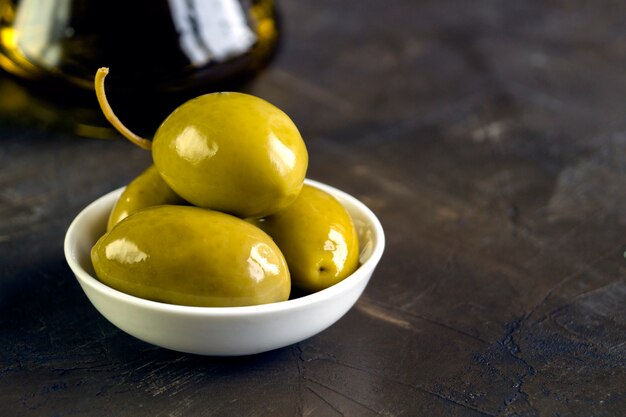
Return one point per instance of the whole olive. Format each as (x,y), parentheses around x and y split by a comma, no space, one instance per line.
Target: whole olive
(230,152)
(146,190)
(318,238)
(191,256)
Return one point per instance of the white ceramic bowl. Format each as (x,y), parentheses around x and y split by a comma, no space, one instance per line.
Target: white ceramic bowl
(222,331)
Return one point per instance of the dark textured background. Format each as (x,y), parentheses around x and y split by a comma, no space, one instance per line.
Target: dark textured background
(489,137)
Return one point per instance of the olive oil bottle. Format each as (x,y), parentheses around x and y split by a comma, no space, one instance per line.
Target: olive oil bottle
(161,52)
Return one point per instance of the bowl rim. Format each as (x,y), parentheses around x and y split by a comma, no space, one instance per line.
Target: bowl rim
(363,272)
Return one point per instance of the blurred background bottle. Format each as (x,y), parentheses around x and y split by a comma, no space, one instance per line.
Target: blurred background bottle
(160,52)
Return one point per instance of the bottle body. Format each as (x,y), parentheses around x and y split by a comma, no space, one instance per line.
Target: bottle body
(163,50)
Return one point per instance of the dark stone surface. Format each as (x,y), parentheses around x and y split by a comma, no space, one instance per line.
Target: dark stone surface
(489,137)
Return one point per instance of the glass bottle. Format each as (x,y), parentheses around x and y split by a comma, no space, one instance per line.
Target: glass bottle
(160,52)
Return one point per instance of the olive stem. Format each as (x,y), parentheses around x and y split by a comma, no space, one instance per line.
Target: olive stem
(111,117)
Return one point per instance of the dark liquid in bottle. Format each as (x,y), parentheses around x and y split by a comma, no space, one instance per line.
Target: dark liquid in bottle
(160,52)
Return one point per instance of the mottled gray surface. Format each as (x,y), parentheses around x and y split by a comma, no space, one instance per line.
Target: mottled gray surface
(489,137)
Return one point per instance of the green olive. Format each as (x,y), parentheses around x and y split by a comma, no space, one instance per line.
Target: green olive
(147,190)
(231,152)
(191,256)
(318,238)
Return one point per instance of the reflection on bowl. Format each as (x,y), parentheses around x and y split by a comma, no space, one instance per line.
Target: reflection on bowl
(222,331)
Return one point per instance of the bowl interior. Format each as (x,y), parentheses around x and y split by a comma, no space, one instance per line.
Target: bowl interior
(90,225)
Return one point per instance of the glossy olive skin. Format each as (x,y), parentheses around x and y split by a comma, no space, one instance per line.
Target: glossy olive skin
(318,238)
(147,190)
(191,256)
(231,152)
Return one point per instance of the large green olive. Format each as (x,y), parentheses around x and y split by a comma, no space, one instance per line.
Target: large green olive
(147,190)
(231,152)
(191,256)
(318,238)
